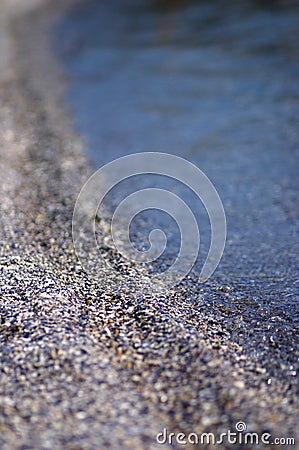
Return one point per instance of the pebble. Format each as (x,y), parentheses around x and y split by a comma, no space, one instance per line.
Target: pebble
(89,365)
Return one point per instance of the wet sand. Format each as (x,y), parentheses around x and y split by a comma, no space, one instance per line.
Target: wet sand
(89,366)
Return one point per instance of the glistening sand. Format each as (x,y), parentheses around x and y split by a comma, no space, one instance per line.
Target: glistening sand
(88,366)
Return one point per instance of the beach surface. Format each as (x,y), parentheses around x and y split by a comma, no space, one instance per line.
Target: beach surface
(89,365)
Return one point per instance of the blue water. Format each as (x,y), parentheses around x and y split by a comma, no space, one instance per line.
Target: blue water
(216,83)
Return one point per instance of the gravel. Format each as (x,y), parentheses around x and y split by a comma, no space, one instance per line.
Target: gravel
(89,365)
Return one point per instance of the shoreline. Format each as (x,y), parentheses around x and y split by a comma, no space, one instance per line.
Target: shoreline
(85,364)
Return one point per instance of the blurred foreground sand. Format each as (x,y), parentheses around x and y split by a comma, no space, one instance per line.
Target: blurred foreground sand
(89,366)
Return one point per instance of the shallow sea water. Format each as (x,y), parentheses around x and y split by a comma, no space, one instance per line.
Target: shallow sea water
(215,83)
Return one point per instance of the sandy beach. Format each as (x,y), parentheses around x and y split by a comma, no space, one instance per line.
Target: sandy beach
(92,366)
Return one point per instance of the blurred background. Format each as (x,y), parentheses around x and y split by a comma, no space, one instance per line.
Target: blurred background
(214,82)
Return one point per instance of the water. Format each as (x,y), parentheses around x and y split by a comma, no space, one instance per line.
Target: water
(216,83)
